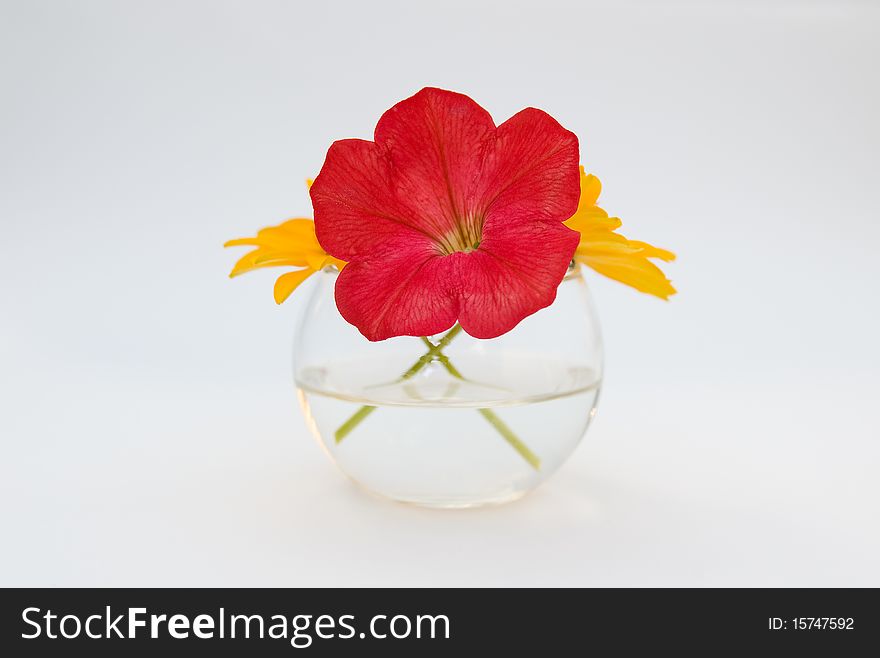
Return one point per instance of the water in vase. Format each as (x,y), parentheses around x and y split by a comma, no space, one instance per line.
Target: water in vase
(448,438)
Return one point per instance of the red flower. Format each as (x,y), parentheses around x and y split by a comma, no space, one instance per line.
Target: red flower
(446,217)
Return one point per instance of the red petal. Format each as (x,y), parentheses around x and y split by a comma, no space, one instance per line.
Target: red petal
(356,210)
(513,274)
(403,291)
(525,251)
(531,172)
(436,140)
(419,174)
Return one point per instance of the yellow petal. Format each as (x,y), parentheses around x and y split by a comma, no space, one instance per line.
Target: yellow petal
(289,236)
(287,283)
(611,245)
(242,242)
(244,264)
(264,257)
(591,188)
(649,251)
(635,271)
(293,240)
(292,243)
(315,258)
(610,253)
(592,219)
(339,264)
(301,227)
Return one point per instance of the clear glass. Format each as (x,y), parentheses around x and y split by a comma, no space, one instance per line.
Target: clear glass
(450,420)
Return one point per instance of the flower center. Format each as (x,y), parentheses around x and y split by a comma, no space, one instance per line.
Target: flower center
(465,237)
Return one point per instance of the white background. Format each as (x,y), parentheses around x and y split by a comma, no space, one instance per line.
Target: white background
(150,434)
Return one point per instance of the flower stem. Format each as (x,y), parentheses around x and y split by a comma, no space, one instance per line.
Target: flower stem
(514,441)
(433,352)
(493,418)
(443,359)
(503,429)
(354,421)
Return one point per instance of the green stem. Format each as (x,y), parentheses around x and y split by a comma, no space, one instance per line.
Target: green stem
(442,358)
(435,353)
(511,438)
(355,420)
(515,442)
(443,342)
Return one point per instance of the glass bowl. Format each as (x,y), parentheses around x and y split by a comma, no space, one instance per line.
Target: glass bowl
(450,420)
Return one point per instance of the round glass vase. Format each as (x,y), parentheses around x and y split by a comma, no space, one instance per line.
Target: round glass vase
(450,420)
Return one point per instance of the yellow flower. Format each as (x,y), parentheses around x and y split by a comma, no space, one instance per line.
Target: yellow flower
(610,253)
(291,244)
